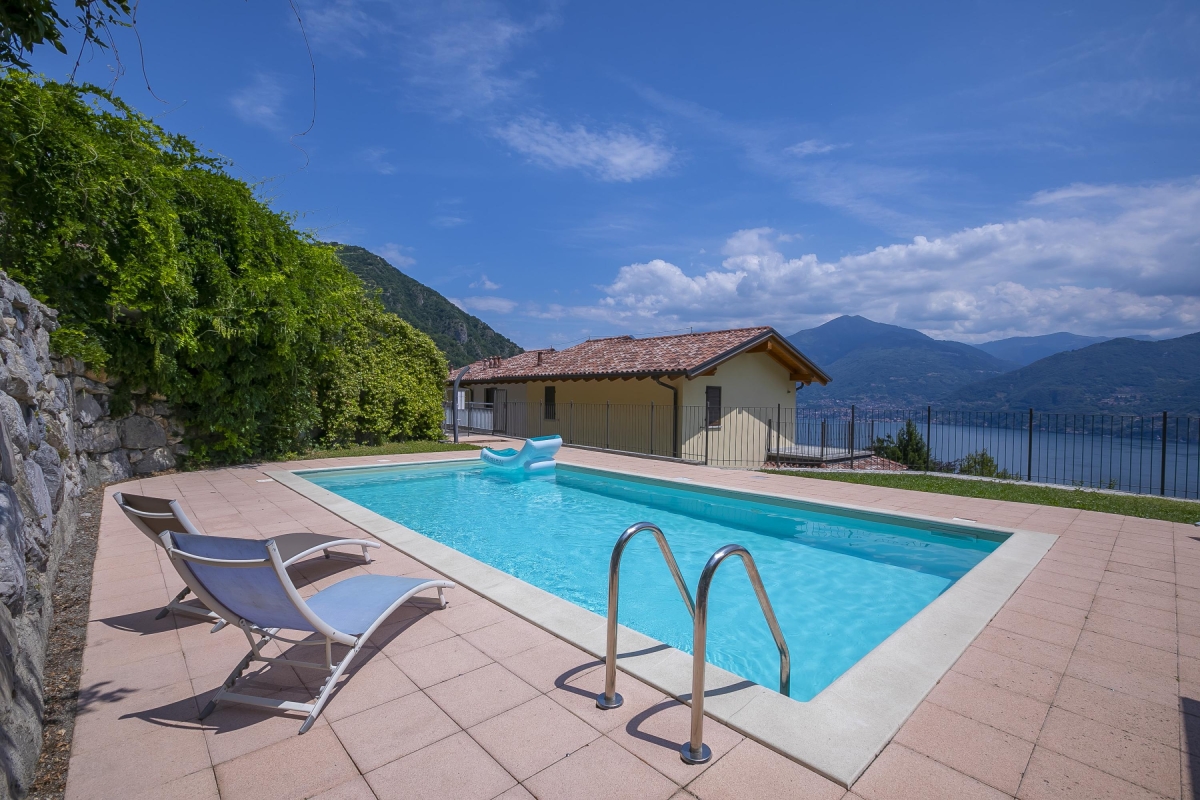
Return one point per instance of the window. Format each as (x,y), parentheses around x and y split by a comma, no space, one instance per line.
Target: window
(712,402)
(489,396)
(550,409)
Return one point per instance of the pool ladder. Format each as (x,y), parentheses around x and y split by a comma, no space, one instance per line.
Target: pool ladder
(694,751)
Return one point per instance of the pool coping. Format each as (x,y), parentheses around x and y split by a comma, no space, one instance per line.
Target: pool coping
(839,732)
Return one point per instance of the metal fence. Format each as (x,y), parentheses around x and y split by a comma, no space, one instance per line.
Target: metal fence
(1151,454)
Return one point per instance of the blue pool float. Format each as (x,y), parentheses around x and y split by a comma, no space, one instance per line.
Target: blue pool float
(536,456)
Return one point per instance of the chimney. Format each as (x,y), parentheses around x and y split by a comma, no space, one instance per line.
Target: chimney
(539,358)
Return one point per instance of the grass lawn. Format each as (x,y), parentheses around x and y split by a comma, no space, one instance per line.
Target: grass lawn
(1145,506)
(389,449)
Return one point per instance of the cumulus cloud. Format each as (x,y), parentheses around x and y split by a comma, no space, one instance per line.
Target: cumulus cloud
(812,147)
(1091,259)
(485,284)
(613,155)
(396,256)
(498,305)
(376,160)
(260,103)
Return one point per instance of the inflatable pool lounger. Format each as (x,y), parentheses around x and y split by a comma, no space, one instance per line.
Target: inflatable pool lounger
(536,456)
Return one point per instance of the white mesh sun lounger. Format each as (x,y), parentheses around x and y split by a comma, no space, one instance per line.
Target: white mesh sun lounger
(153,515)
(246,582)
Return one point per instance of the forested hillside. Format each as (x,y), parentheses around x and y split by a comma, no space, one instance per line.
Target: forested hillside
(1123,376)
(462,337)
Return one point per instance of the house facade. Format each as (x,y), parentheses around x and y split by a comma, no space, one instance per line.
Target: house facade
(680,396)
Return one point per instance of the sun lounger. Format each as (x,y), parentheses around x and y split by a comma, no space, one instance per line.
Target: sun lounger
(246,582)
(153,515)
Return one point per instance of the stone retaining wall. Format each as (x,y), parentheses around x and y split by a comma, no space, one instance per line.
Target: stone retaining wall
(56,440)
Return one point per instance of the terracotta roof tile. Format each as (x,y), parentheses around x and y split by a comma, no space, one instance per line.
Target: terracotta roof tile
(621,355)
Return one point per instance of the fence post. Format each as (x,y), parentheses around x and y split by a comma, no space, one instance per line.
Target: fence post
(541,418)
(778,425)
(767,460)
(928,436)
(571,422)
(1029,448)
(706,435)
(823,427)
(607,418)
(1162,475)
(651,427)
(851,437)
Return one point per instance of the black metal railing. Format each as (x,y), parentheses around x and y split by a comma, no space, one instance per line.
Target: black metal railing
(1148,454)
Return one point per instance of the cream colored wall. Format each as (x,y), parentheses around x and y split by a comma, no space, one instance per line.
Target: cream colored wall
(755,390)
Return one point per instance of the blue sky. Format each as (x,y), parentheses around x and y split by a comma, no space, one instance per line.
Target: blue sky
(974,170)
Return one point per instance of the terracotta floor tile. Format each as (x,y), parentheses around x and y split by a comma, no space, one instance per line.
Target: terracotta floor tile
(1149,686)
(200,785)
(476,696)
(1007,673)
(1036,627)
(752,772)
(1051,776)
(393,730)
(602,771)
(355,789)
(473,616)
(300,766)
(578,695)
(1148,764)
(656,734)
(1054,612)
(1132,632)
(410,634)
(550,664)
(1052,594)
(1008,711)
(972,748)
(1024,648)
(507,638)
(455,767)
(1135,613)
(440,661)
(373,682)
(1138,597)
(1121,711)
(517,792)
(233,729)
(1131,654)
(901,773)
(140,764)
(527,739)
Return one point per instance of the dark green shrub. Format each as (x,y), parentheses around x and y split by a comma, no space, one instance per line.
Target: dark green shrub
(907,447)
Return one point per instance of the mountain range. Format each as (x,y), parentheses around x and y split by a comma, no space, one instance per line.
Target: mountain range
(463,338)
(885,366)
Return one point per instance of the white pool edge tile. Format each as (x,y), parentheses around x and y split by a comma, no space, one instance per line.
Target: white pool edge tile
(840,731)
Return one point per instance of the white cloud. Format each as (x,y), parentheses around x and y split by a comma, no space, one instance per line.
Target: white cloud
(395,255)
(812,147)
(485,284)
(260,102)
(613,155)
(374,158)
(1094,260)
(447,221)
(499,305)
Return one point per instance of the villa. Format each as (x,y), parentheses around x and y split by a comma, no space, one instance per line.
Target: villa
(663,395)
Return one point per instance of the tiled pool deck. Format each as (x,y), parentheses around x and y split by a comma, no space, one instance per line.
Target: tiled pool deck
(1081,687)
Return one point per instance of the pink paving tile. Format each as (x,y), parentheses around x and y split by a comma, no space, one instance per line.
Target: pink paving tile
(1164,588)
(1140,761)
(146,673)
(752,772)
(300,766)
(1051,776)
(1007,673)
(1036,627)
(1053,594)
(200,785)
(578,695)
(440,661)
(471,616)
(1059,581)
(233,729)
(373,682)
(114,719)
(1139,597)
(1121,711)
(507,638)
(972,748)
(140,764)
(1131,654)
(550,664)
(393,730)
(1024,648)
(476,696)
(656,734)
(1133,632)
(902,773)
(1054,612)
(1135,613)
(356,789)
(410,634)
(455,767)
(527,739)
(1008,711)
(1119,677)
(602,771)
(517,792)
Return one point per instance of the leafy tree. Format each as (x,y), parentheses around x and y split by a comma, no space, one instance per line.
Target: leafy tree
(908,447)
(979,463)
(25,24)
(170,274)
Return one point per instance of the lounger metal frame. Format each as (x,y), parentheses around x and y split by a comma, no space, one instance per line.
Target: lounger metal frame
(330,634)
(177,606)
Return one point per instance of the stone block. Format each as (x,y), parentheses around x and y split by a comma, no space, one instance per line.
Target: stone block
(52,470)
(113,467)
(8,456)
(155,460)
(14,423)
(87,409)
(102,437)
(12,549)
(42,510)
(21,363)
(141,433)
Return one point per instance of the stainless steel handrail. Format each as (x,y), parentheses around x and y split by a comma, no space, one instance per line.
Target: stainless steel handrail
(609,697)
(696,751)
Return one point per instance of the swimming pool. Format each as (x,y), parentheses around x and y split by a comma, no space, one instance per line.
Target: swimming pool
(840,584)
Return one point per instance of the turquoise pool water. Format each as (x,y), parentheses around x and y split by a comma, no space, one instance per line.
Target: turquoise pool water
(839,585)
